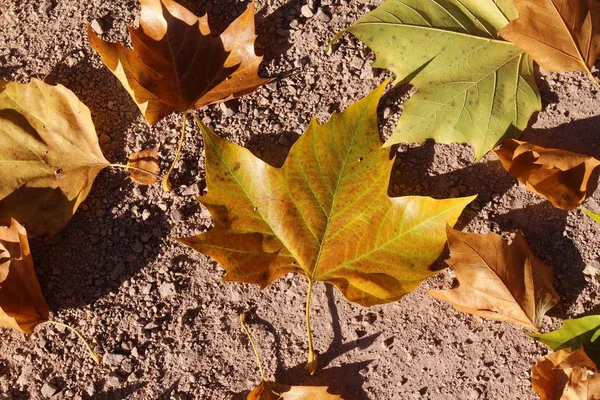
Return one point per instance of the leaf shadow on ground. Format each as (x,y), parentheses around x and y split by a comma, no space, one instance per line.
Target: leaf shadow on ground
(120,393)
(547,95)
(276,42)
(8,70)
(118,244)
(543,227)
(575,136)
(344,380)
(270,42)
(413,175)
(220,13)
(542,224)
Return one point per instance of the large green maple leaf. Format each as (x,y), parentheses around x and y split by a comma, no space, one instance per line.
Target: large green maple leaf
(325,214)
(472,86)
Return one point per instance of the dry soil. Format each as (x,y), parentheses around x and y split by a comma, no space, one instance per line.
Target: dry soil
(168,326)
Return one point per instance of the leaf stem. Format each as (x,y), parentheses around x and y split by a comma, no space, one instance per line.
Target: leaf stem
(247,331)
(311,364)
(134,168)
(97,358)
(165,181)
(589,72)
(595,80)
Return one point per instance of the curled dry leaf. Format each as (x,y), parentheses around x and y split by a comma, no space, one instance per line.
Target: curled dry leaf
(268,390)
(22,305)
(145,160)
(497,280)
(560,176)
(575,333)
(471,86)
(325,214)
(560,35)
(50,155)
(566,375)
(177,64)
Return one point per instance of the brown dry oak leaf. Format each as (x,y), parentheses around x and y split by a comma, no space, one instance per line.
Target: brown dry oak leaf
(566,375)
(268,390)
(22,305)
(325,214)
(497,280)
(177,64)
(560,176)
(561,35)
(145,160)
(49,155)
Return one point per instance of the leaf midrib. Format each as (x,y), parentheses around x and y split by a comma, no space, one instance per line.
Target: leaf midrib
(335,191)
(478,254)
(256,207)
(477,83)
(570,34)
(434,29)
(347,263)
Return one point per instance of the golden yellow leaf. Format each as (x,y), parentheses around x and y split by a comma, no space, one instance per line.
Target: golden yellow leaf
(497,280)
(325,214)
(560,176)
(177,64)
(22,305)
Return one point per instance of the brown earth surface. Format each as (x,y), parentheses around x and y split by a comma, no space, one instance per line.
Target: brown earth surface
(159,312)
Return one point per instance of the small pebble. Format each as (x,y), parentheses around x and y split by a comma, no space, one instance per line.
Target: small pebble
(96,27)
(113,359)
(306,11)
(48,390)
(166,289)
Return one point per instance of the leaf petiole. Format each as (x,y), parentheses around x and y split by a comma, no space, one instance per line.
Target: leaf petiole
(165,181)
(592,77)
(312,363)
(247,331)
(97,357)
(134,168)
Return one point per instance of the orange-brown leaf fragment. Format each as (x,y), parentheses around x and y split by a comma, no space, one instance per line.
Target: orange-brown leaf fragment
(497,280)
(268,390)
(22,305)
(566,375)
(561,35)
(560,176)
(177,64)
(146,160)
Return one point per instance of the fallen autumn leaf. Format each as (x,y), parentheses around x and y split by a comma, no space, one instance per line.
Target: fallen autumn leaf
(558,175)
(575,333)
(177,64)
(497,280)
(560,35)
(22,305)
(325,214)
(566,375)
(471,86)
(50,155)
(144,166)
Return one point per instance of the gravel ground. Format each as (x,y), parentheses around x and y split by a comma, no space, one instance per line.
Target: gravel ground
(168,326)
